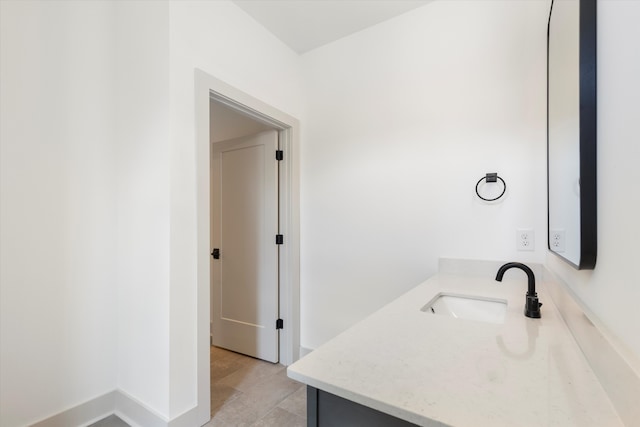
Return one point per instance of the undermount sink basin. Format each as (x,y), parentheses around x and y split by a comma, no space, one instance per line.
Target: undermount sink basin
(468,307)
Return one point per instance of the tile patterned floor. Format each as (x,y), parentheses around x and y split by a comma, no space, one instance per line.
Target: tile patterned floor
(250,392)
(247,392)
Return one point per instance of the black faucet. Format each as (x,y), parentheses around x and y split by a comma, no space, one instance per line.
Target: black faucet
(531,306)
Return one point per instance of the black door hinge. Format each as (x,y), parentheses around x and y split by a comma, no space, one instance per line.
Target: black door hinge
(279,324)
(279,239)
(279,155)
(216,253)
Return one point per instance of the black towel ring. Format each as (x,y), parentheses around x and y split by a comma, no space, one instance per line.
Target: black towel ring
(491,177)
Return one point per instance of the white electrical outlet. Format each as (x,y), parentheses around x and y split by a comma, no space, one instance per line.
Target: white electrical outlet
(557,240)
(525,240)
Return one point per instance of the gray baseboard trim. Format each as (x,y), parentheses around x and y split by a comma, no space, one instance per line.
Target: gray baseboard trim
(120,403)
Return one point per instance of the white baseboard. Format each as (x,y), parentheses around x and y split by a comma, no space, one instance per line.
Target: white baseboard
(135,413)
(84,414)
(189,418)
(117,402)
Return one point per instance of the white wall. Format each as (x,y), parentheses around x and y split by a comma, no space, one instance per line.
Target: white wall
(85,216)
(98,187)
(58,217)
(223,41)
(612,290)
(403,119)
(399,123)
(142,177)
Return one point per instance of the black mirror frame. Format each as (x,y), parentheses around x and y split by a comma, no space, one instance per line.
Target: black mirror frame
(588,137)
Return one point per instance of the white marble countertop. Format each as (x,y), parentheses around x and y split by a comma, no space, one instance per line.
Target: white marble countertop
(433,370)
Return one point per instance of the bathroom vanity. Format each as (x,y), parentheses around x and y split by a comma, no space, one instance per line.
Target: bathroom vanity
(407,364)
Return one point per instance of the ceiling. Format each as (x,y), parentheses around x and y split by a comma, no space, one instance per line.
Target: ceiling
(307,24)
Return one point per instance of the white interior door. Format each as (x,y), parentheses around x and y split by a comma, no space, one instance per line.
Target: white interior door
(244,185)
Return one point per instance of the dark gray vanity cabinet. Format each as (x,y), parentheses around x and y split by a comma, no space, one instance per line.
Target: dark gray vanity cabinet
(328,410)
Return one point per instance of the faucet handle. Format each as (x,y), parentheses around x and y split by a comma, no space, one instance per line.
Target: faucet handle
(532,306)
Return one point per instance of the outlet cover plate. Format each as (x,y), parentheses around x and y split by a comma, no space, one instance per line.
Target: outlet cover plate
(557,240)
(525,240)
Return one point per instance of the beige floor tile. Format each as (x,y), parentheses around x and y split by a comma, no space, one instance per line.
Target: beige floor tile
(221,394)
(280,418)
(270,392)
(237,412)
(296,402)
(251,374)
(245,391)
(220,353)
(225,363)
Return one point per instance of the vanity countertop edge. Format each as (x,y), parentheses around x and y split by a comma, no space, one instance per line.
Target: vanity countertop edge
(431,370)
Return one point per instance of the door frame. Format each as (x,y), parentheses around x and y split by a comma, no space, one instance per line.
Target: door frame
(209,88)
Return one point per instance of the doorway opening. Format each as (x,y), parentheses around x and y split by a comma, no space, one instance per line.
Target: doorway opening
(210,90)
(244,228)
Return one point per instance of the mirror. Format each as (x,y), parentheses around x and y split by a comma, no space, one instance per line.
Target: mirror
(571,131)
